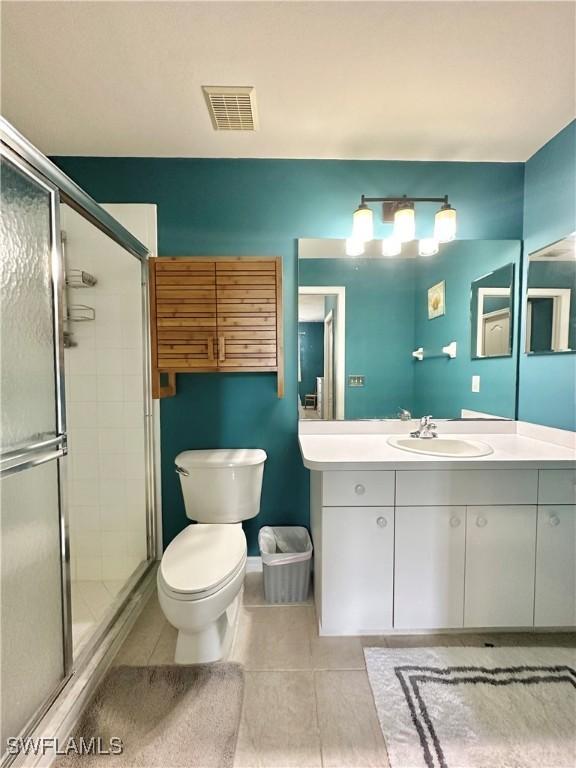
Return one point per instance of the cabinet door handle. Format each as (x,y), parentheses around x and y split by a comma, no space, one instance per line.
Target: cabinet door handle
(359,489)
(554,520)
(221,349)
(481,522)
(455,522)
(381,522)
(210,347)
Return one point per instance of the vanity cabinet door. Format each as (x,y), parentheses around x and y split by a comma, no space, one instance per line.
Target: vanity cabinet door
(429,567)
(357,569)
(500,557)
(556,566)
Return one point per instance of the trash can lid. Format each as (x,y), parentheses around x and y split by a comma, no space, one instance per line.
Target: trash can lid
(221,457)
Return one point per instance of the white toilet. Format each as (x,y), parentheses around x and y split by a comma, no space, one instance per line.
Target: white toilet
(202,570)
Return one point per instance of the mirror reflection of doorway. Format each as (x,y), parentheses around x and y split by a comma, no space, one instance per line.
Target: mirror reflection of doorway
(496,333)
(321,329)
(328,388)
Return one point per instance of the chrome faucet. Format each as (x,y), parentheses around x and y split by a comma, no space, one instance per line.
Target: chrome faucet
(404,415)
(426,430)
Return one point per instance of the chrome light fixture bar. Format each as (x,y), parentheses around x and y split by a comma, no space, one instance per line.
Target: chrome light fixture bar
(400,211)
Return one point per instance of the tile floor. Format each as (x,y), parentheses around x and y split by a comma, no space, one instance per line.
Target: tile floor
(90,601)
(307,699)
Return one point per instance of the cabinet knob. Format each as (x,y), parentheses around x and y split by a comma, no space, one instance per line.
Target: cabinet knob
(381,522)
(554,520)
(481,522)
(359,489)
(454,522)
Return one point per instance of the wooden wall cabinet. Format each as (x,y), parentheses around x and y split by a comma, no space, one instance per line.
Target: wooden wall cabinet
(215,314)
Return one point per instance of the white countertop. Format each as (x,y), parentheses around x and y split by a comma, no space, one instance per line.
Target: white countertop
(372,451)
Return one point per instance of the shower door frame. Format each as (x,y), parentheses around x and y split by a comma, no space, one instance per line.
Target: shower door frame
(30,161)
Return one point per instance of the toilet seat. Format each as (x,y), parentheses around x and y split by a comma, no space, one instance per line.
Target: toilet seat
(202,560)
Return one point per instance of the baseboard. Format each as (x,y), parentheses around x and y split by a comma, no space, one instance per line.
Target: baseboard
(253,564)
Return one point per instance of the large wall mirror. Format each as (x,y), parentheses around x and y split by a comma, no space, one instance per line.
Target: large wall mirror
(380,337)
(551,299)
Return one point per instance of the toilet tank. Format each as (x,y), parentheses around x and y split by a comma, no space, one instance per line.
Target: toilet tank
(221,485)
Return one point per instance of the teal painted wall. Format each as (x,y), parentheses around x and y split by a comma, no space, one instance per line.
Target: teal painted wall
(311,337)
(443,385)
(379,329)
(262,207)
(548,382)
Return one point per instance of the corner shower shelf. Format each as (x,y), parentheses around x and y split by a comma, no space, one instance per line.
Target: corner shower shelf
(78,278)
(81,313)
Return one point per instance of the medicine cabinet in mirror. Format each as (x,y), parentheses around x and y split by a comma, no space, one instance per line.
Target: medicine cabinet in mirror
(383,337)
(551,300)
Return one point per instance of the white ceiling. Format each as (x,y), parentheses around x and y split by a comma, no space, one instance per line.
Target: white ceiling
(386,80)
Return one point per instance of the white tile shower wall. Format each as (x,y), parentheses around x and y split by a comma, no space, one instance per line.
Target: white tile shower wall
(105,410)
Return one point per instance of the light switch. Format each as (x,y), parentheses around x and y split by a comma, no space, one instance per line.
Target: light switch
(356,381)
(475,383)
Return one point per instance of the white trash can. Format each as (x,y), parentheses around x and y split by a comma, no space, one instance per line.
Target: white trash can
(286,561)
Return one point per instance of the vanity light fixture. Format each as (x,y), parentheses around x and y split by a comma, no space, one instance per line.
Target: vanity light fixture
(445,224)
(354,247)
(363,223)
(401,212)
(391,246)
(404,222)
(428,246)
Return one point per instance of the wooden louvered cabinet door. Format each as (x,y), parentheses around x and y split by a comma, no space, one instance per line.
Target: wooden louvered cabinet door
(183,314)
(219,314)
(247,314)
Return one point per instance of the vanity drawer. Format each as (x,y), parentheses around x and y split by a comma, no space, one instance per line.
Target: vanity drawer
(474,486)
(357,488)
(557,486)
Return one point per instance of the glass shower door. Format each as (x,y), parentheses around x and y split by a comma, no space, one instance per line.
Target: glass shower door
(34,602)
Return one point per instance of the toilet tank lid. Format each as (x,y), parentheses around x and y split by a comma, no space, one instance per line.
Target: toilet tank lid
(221,457)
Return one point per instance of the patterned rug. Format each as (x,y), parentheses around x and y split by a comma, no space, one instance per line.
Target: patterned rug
(476,707)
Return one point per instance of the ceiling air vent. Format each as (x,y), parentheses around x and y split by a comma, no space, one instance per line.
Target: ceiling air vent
(232,108)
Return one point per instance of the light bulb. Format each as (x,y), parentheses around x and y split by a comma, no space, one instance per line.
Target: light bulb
(362,223)
(445,224)
(354,247)
(404,224)
(391,246)
(428,246)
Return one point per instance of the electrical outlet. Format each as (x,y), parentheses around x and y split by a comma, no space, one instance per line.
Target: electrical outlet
(356,381)
(475,383)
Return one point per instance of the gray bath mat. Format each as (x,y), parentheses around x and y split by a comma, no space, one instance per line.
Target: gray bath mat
(166,717)
(476,707)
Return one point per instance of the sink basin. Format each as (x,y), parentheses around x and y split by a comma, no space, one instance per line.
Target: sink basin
(452,447)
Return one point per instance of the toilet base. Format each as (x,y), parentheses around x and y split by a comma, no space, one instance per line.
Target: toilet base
(213,643)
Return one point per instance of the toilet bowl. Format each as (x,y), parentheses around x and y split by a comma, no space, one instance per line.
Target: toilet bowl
(202,570)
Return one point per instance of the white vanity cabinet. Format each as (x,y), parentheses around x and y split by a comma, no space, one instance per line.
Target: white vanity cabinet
(358,583)
(500,552)
(555,597)
(429,567)
(417,550)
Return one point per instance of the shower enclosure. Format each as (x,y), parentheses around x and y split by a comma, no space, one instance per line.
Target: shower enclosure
(76,468)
